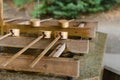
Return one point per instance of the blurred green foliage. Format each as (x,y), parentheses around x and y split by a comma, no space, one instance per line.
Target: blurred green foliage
(19,3)
(68,8)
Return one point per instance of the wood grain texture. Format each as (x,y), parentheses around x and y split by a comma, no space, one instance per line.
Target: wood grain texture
(23,50)
(86,32)
(58,50)
(1,17)
(90,64)
(1,11)
(5,36)
(73,23)
(78,46)
(39,57)
(45,65)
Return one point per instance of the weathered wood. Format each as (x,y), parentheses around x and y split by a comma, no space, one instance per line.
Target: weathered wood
(1,10)
(73,23)
(33,64)
(78,46)
(5,36)
(87,70)
(23,50)
(45,65)
(58,50)
(86,32)
(1,16)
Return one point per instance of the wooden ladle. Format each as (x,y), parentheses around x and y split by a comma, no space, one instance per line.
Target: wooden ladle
(12,32)
(65,23)
(62,35)
(37,22)
(26,47)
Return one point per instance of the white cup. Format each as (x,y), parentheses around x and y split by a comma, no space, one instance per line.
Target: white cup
(47,34)
(35,22)
(16,32)
(64,35)
(64,23)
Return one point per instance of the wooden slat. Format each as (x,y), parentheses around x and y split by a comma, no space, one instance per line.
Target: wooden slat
(76,46)
(74,23)
(39,57)
(23,50)
(45,65)
(58,50)
(86,32)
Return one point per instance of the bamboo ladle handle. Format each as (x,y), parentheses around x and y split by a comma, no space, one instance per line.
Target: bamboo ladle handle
(10,20)
(13,32)
(23,50)
(46,19)
(44,52)
(71,20)
(65,23)
(5,36)
(58,50)
(37,22)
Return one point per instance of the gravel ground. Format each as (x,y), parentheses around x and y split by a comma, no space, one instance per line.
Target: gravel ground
(5,75)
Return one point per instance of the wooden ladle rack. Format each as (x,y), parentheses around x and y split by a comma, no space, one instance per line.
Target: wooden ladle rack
(76,43)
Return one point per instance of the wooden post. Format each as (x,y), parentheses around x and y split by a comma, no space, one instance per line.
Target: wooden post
(1,16)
